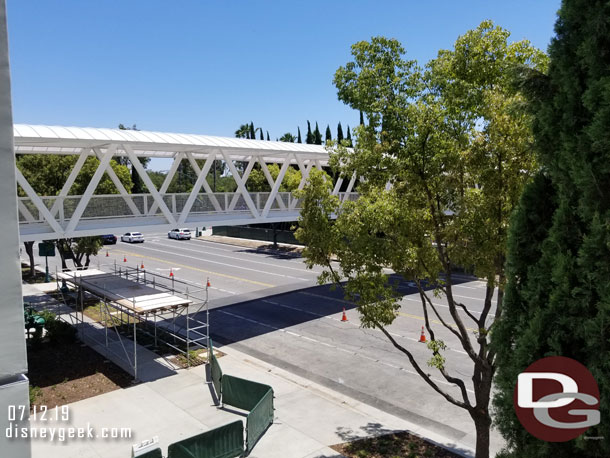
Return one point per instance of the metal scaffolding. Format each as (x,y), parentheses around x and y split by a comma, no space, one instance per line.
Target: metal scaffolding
(136,308)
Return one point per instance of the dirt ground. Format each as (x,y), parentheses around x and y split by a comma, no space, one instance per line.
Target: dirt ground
(62,374)
(400,444)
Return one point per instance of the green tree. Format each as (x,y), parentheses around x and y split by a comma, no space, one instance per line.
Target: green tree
(453,142)
(361,118)
(287,137)
(348,139)
(261,134)
(317,136)
(299,135)
(243,131)
(258,183)
(309,138)
(252,132)
(339,134)
(267,135)
(558,294)
(47,174)
(328,136)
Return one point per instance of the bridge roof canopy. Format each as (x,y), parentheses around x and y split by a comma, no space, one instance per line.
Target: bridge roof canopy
(38,139)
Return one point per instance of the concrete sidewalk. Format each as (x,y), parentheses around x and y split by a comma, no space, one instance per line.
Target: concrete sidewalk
(308,417)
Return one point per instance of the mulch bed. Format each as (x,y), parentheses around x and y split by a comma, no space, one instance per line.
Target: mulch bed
(395,445)
(71,372)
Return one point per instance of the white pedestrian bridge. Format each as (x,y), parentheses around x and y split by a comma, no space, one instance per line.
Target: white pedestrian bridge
(65,215)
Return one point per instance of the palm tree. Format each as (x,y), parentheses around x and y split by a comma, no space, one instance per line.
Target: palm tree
(243,131)
(288,137)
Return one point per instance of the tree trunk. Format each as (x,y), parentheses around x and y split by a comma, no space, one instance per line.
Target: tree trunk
(29,249)
(482,423)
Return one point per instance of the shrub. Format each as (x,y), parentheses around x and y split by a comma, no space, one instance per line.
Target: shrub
(60,332)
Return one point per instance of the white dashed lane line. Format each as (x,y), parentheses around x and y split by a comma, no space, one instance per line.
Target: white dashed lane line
(336,347)
(226,265)
(204,250)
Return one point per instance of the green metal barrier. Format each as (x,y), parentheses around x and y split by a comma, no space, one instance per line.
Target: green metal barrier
(216,372)
(241,393)
(224,442)
(259,419)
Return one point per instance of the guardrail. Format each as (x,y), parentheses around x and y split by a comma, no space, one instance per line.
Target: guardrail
(106,206)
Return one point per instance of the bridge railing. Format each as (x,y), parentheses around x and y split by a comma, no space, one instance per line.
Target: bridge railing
(124,206)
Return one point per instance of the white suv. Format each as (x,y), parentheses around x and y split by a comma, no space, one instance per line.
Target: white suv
(178,234)
(132,237)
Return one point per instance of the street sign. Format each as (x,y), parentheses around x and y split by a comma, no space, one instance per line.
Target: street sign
(46,249)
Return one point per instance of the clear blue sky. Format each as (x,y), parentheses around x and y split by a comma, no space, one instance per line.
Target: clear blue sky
(207,66)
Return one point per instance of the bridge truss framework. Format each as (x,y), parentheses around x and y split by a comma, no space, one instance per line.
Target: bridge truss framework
(66,216)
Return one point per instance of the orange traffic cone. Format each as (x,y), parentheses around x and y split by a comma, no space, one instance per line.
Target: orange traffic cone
(107,253)
(142,266)
(422,338)
(171,273)
(344,317)
(124,258)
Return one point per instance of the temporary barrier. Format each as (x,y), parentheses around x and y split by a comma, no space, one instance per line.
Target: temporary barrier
(241,393)
(216,373)
(259,419)
(224,442)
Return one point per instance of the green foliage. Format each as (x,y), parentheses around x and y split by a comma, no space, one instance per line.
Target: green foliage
(258,183)
(59,333)
(299,135)
(454,142)
(243,131)
(47,174)
(35,393)
(287,137)
(437,360)
(317,136)
(557,295)
(339,134)
(309,138)
(328,136)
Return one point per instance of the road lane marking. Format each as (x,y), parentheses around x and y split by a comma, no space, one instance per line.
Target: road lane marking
(319,315)
(152,258)
(436,304)
(417,317)
(224,264)
(336,347)
(237,258)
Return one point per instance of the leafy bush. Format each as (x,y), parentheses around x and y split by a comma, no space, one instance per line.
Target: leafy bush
(35,392)
(60,332)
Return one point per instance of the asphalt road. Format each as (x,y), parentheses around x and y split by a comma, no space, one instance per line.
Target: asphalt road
(271,307)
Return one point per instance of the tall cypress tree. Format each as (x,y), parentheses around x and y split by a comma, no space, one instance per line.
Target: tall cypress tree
(261,134)
(361,118)
(349,137)
(252,131)
(299,135)
(557,298)
(339,133)
(267,135)
(329,136)
(309,137)
(317,136)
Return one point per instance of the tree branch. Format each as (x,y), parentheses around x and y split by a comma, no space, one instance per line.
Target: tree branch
(422,374)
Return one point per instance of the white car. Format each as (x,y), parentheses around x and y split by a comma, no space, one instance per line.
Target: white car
(184,234)
(132,237)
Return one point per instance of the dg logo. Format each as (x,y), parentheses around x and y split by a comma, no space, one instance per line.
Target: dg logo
(556,399)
